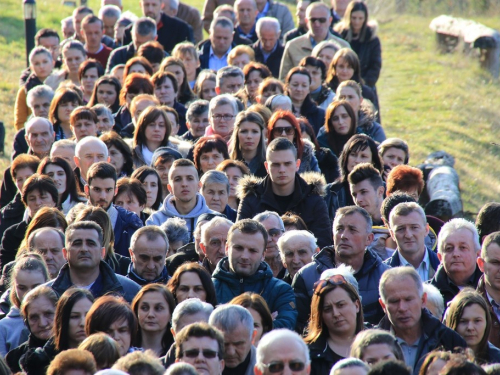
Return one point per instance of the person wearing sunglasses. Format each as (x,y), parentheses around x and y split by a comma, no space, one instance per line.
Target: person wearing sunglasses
(282,350)
(202,346)
(318,20)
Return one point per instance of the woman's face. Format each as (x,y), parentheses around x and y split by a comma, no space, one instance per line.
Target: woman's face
(241,60)
(177,72)
(21,177)
(137,68)
(72,59)
(42,65)
(41,317)
(26,281)
(299,87)
(249,136)
(191,63)
(106,94)
(153,313)
(357,19)
(89,79)
(120,332)
(233,174)
(351,96)
(393,157)
(57,174)
(64,111)
(343,70)
(341,121)
(151,185)
(375,353)
(472,325)
(209,160)
(129,202)
(116,159)
(165,92)
(208,90)
(190,286)
(326,55)
(253,82)
(282,128)
(155,131)
(257,324)
(76,327)
(339,312)
(358,157)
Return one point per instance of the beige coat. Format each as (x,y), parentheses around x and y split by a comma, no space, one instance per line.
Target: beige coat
(192,17)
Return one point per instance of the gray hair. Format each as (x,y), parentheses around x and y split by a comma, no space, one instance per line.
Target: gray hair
(111,11)
(41,91)
(400,273)
(228,71)
(214,177)
(279,99)
(181,368)
(33,120)
(454,225)
(173,4)
(90,139)
(67,21)
(350,210)
(152,232)
(406,208)
(435,297)
(222,22)
(224,99)
(322,45)
(64,143)
(346,271)
(269,339)
(263,216)
(176,230)
(270,22)
(144,26)
(227,318)
(291,235)
(215,222)
(190,306)
(101,109)
(196,108)
(347,363)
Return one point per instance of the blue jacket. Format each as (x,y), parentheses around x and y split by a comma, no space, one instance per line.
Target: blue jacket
(368,278)
(394,261)
(126,225)
(278,294)
(110,283)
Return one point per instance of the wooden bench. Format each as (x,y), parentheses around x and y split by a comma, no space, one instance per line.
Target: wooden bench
(451,32)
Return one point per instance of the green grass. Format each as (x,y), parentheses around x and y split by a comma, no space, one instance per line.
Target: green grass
(435,102)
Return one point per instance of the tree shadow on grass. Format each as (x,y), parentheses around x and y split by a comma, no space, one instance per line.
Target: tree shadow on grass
(12,28)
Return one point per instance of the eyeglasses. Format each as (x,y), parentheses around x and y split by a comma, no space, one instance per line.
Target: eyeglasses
(333,280)
(289,130)
(194,353)
(277,367)
(275,232)
(320,20)
(220,117)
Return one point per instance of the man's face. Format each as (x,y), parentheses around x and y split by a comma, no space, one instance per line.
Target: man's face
(83,250)
(148,257)
(281,167)
(403,305)
(298,253)
(101,192)
(104,123)
(52,44)
(36,200)
(301,13)
(216,196)
(67,153)
(231,85)
(268,38)
(237,345)
(275,231)
(283,352)
(109,26)
(409,232)
(139,40)
(220,125)
(350,235)
(246,12)
(490,266)
(459,255)
(68,29)
(367,197)
(184,183)
(221,39)
(152,9)
(198,125)
(214,243)
(92,35)
(40,107)
(40,138)
(245,253)
(49,245)
(90,153)
(319,21)
(83,128)
(393,157)
(203,365)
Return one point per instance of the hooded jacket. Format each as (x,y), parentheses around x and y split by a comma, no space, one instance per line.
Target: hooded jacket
(13,332)
(278,294)
(368,278)
(125,226)
(256,195)
(162,279)
(168,210)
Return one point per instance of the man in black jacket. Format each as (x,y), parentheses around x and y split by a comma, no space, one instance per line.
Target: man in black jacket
(268,49)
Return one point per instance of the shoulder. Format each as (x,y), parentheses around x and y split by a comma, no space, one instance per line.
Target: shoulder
(127,284)
(129,217)
(315,180)
(248,185)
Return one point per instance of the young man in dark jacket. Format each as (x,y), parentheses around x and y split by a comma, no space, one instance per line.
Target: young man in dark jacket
(244,271)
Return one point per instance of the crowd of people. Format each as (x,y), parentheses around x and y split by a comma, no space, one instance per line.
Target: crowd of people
(229,205)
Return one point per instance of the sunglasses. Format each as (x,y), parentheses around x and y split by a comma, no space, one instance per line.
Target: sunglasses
(333,280)
(280,129)
(277,367)
(194,353)
(320,20)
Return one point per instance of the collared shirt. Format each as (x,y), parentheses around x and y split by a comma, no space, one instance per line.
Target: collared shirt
(313,42)
(423,268)
(251,35)
(494,304)
(264,12)
(217,63)
(410,352)
(266,54)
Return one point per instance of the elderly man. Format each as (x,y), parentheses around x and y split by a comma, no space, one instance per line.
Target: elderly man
(221,115)
(268,49)
(230,80)
(458,250)
(275,229)
(418,332)
(352,232)
(236,323)
(318,20)
(301,28)
(49,242)
(409,228)
(213,54)
(277,10)
(297,248)
(187,13)
(88,151)
(244,271)
(282,350)
(213,241)
(67,27)
(109,14)
(92,33)
(215,189)
(246,15)
(148,250)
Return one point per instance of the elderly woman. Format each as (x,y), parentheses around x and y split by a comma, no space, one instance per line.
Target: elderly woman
(215,190)
(177,233)
(209,152)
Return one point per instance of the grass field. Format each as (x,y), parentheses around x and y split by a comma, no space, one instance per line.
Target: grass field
(435,102)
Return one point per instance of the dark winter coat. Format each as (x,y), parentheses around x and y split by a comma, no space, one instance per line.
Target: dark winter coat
(394,261)
(14,356)
(278,294)
(323,358)
(36,360)
(337,195)
(328,164)
(314,114)
(11,241)
(122,119)
(256,195)
(11,214)
(367,125)
(185,254)
(126,225)
(8,189)
(273,62)
(162,279)
(294,33)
